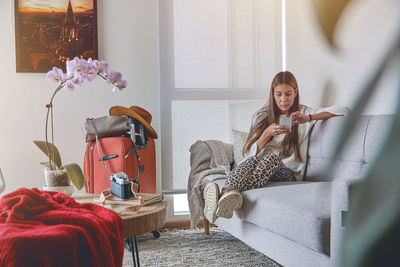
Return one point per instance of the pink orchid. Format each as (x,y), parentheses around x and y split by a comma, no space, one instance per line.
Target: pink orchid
(122,84)
(114,77)
(70,67)
(77,79)
(90,76)
(95,65)
(103,67)
(70,85)
(79,70)
(77,65)
(55,75)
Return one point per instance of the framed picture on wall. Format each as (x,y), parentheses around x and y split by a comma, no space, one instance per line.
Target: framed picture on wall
(48,33)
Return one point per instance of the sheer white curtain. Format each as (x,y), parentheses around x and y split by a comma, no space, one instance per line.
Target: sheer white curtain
(213,54)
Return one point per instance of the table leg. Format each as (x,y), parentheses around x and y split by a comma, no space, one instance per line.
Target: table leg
(206,226)
(137,252)
(134,246)
(156,234)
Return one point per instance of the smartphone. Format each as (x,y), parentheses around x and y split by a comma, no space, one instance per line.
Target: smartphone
(285,121)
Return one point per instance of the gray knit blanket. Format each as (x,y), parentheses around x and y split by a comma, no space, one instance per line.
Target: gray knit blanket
(209,161)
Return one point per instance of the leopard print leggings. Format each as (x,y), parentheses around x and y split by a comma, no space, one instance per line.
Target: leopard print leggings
(255,172)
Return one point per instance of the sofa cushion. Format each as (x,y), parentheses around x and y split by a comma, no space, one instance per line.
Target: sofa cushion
(323,141)
(239,139)
(379,128)
(299,211)
(359,153)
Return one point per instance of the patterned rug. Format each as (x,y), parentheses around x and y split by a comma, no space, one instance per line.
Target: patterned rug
(193,248)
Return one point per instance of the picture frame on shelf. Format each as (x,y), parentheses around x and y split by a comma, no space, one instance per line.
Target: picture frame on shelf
(48,33)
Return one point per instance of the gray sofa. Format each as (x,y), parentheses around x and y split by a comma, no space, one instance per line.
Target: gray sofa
(300,223)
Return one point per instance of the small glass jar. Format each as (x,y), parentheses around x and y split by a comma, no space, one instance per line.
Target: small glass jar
(56,177)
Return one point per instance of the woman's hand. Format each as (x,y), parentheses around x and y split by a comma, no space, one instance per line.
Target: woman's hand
(275,129)
(270,131)
(299,118)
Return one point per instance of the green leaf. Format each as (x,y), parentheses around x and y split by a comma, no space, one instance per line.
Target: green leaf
(75,174)
(54,154)
(47,164)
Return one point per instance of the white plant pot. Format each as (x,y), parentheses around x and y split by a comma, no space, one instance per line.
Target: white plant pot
(68,190)
(56,178)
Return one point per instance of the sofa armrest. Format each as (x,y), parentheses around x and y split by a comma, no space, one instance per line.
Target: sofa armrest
(339,206)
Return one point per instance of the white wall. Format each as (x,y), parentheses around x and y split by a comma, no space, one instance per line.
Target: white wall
(128,41)
(363,34)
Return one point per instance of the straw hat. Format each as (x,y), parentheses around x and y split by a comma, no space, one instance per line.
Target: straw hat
(138,113)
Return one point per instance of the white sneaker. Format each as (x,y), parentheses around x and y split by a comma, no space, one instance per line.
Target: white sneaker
(229,202)
(211,196)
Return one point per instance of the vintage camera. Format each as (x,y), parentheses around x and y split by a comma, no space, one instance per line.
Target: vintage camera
(120,185)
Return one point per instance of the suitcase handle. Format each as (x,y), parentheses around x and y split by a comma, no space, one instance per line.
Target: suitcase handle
(108,157)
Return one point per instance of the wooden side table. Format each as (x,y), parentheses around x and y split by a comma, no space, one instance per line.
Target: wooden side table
(148,219)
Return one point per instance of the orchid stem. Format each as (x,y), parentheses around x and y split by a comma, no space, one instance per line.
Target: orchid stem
(105,78)
(50,108)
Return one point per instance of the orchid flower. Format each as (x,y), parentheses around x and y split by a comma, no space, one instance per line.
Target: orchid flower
(95,65)
(114,77)
(103,67)
(122,84)
(70,65)
(55,75)
(79,70)
(77,79)
(70,85)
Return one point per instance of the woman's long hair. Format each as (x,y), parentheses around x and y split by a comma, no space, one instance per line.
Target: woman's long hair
(270,113)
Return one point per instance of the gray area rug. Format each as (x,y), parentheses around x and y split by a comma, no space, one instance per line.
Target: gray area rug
(193,248)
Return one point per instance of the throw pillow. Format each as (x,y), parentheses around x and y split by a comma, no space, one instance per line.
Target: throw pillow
(239,139)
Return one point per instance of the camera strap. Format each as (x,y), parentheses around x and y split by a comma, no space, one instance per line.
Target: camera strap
(134,188)
(133,138)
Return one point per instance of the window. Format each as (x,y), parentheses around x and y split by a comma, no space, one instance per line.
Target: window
(214,56)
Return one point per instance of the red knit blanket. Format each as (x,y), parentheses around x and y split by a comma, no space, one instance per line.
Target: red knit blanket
(39,228)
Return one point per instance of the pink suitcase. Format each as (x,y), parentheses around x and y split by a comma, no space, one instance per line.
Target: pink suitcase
(118,156)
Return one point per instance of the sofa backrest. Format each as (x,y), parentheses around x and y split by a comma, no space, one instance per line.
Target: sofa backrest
(359,152)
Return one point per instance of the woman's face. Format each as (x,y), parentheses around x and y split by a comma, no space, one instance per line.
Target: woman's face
(284,95)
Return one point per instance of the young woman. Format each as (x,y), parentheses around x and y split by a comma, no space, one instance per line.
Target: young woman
(273,152)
